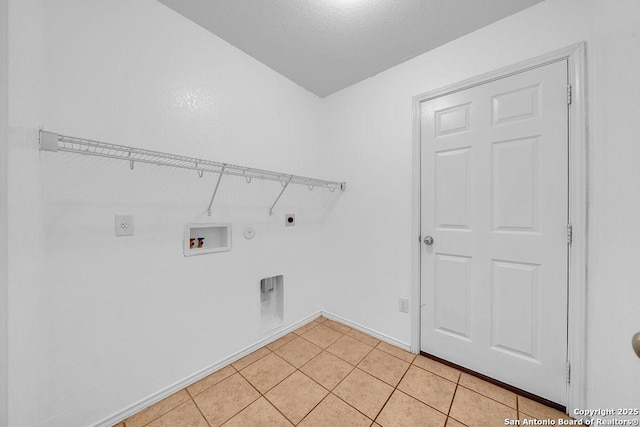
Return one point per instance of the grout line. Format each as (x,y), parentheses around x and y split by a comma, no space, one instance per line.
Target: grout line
(265,347)
(276,408)
(330,327)
(295,336)
(385,404)
(425,403)
(452,399)
(318,404)
(212,385)
(276,384)
(353,407)
(301,333)
(353,367)
(395,388)
(490,398)
(321,400)
(245,407)
(347,334)
(164,413)
(439,376)
(241,410)
(381,349)
(201,413)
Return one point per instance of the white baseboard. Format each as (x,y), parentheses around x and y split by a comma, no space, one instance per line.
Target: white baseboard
(361,328)
(156,397)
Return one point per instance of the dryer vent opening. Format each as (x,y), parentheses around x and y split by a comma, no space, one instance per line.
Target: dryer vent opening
(271,302)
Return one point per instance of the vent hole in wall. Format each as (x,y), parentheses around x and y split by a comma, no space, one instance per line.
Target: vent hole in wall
(271,302)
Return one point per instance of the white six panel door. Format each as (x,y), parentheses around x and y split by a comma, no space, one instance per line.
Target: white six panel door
(495,201)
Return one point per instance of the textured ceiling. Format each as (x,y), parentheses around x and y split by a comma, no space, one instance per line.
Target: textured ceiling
(327,45)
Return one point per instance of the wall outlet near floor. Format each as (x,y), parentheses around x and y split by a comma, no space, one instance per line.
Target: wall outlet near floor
(124,225)
(403,304)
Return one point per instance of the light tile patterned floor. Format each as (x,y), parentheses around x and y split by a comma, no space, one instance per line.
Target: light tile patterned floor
(327,374)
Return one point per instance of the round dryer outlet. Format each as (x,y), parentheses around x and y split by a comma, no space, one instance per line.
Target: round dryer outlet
(290,220)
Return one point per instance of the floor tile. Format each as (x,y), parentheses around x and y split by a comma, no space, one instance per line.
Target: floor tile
(250,358)
(487,389)
(210,380)
(364,392)
(429,388)
(321,319)
(119,425)
(267,372)
(335,413)
(538,410)
(303,329)
(325,355)
(453,423)
(322,336)
(149,414)
(298,352)
(260,413)
(225,399)
(402,410)
(475,409)
(343,329)
(437,368)
(282,341)
(384,366)
(362,337)
(328,370)
(349,349)
(396,351)
(296,396)
(185,415)
(522,416)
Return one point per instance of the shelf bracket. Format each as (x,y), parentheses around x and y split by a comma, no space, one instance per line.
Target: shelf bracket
(284,187)
(213,196)
(48,141)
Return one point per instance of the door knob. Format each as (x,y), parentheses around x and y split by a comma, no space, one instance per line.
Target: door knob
(635,342)
(428,240)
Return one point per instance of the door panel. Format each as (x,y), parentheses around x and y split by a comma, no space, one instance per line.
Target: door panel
(452,189)
(452,292)
(494,198)
(515,308)
(514,185)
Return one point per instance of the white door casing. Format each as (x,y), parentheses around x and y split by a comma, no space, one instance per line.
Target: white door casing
(495,199)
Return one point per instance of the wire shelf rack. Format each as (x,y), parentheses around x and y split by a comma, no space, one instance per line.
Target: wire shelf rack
(50,141)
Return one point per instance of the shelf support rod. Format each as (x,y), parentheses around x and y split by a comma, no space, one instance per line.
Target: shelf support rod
(280,195)
(213,196)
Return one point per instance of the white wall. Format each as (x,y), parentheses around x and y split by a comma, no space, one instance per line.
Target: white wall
(128,317)
(27,294)
(368,131)
(3,212)
(614,271)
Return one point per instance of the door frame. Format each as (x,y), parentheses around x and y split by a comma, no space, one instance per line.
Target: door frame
(578,197)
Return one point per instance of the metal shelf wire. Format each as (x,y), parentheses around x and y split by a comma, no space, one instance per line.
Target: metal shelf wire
(50,141)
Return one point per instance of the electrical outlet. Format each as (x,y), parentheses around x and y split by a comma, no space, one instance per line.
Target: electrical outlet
(403,304)
(124,225)
(290,220)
